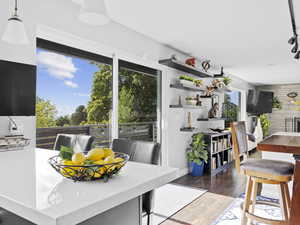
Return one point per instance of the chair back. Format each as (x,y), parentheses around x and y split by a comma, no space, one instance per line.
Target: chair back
(240,142)
(143,152)
(79,143)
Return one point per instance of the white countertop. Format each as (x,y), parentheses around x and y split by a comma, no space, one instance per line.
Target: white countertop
(32,189)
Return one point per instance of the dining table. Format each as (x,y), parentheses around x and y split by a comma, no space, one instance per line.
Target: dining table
(289,143)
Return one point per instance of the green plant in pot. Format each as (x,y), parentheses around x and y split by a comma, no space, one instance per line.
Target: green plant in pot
(197,155)
(186,80)
(265,124)
(276,104)
(227,80)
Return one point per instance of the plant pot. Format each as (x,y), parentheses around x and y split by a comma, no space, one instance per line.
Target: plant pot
(196,170)
(191,102)
(187,83)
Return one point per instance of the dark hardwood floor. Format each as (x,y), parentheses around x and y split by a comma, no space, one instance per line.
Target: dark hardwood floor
(228,183)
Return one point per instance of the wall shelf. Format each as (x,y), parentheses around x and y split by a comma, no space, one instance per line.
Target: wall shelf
(175,64)
(187,129)
(210,119)
(223,90)
(184,107)
(182,87)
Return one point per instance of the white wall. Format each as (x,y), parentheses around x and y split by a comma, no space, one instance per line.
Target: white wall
(57,21)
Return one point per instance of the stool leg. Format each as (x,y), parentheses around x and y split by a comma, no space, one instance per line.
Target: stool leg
(287,197)
(247,201)
(253,198)
(283,203)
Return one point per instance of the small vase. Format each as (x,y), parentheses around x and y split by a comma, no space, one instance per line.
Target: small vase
(187,83)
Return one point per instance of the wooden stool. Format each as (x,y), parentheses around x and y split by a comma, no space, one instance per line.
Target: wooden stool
(260,172)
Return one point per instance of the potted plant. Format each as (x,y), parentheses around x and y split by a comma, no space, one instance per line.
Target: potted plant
(197,155)
(276,103)
(186,80)
(227,81)
(191,101)
(198,83)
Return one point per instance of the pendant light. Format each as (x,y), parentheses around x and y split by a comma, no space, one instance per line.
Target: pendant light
(93,12)
(15,30)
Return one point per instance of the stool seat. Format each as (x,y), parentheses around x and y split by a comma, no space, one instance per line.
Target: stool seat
(272,167)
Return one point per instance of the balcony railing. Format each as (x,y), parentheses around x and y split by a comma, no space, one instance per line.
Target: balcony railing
(147,131)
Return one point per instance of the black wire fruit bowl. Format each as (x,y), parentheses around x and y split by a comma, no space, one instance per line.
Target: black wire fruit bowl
(89,172)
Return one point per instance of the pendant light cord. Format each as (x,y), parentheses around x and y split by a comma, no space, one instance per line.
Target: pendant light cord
(16,7)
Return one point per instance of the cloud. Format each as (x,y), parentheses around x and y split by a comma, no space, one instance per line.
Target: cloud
(82,94)
(70,84)
(57,65)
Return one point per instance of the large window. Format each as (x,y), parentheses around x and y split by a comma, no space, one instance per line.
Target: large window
(139,102)
(232,107)
(74,94)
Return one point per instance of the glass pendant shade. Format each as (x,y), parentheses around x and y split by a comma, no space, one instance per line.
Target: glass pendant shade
(93,12)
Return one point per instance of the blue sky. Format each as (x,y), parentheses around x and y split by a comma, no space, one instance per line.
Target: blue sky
(234,97)
(65,81)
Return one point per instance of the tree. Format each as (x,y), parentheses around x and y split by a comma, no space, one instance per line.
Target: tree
(63,121)
(45,113)
(100,103)
(79,116)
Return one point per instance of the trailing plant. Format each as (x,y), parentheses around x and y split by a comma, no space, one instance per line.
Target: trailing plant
(265,124)
(186,77)
(276,104)
(198,152)
(227,80)
(198,83)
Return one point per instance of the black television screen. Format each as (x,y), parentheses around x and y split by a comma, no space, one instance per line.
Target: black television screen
(259,102)
(17,89)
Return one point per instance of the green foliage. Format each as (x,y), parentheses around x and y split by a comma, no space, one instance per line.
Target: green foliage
(198,83)
(45,113)
(126,104)
(227,80)
(100,104)
(198,152)
(66,153)
(186,77)
(276,103)
(79,116)
(63,121)
(265,123)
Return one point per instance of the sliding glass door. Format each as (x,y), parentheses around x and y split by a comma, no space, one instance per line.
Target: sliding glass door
(139,102)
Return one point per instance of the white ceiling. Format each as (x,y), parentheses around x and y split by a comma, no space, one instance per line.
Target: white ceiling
(248,37)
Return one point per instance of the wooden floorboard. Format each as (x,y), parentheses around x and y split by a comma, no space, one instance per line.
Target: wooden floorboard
(203,211)
(222,190)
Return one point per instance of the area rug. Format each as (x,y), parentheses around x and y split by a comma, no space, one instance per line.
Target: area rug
(232,215)
(171,198)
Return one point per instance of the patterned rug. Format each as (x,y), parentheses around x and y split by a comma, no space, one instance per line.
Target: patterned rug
(232,215)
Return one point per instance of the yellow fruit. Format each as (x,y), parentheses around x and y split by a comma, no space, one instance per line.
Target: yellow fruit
(108,152)
(67,171)
(109,159)
(78,158)
(67,162)
(119,161)
(96,154)
(100,162)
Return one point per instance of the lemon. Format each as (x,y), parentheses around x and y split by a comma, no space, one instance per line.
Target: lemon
(67,171)
(109,159)
(78,158)
(67,162)
(119,161)
(100,162)
(96,154)
(108,152)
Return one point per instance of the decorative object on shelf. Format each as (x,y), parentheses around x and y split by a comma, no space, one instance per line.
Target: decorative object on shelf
(198,83)
(199,102)
(209,91)
(191,101)
(276,103)
(206,65)
(93,12)
(189,120)
(294,40)
(221,74)
(292,95)
(13,143)
(97,164)
(217,84)
(186,80)
(191,62)
(227,80)
(213,111)
(197,155)
(15,32)
(179,101)
(218,130)
(294,101)
(174,57)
